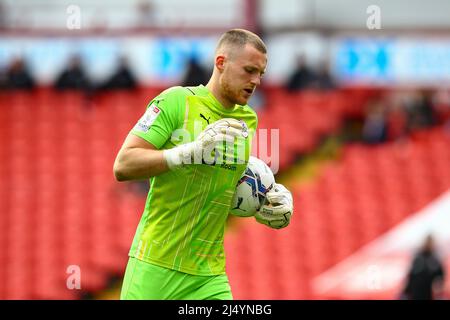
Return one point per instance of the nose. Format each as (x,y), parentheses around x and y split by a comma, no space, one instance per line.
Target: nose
(256,80)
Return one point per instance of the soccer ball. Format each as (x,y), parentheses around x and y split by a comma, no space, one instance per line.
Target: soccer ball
(251,188)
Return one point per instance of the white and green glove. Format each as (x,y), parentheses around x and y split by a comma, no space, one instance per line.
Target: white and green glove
(278,211)
(222,130)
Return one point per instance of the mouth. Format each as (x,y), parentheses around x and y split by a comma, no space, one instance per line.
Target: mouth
(249,91)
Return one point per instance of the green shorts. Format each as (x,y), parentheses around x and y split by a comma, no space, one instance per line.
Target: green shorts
(145,281)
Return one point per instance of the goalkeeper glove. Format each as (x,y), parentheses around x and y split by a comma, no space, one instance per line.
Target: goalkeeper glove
(222,130)
(278,212)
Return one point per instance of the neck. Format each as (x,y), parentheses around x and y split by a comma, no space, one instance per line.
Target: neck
(214,87)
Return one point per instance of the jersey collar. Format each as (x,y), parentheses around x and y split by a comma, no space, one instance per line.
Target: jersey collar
(215,103)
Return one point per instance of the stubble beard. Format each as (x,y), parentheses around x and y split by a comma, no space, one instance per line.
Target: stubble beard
(228,93)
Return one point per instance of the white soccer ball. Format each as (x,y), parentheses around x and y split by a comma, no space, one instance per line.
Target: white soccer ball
(251,188)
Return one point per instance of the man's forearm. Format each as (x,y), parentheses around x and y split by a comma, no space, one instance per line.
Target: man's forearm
(138,164)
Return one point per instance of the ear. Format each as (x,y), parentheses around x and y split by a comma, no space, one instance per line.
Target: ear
(220,62)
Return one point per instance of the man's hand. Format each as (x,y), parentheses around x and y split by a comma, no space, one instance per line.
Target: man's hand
(278,212)
(222,130)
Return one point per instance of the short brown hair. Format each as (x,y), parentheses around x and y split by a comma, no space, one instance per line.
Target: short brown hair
(239,38)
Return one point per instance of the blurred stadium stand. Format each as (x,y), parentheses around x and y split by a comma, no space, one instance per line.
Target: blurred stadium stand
(61,206)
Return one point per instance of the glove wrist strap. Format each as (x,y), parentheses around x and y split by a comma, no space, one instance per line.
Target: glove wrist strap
(178,156)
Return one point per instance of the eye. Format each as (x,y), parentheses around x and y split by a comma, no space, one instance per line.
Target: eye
(249,70)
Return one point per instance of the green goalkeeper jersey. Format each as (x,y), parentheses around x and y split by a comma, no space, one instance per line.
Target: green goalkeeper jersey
(183,223)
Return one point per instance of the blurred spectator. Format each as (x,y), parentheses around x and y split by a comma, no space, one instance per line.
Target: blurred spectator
(425,280)
(123,78)
(374,128)
(195,74)
(441,102)
(17,76)
(396,122)
(73,77)
(421,112)
(323,79)
(302,77)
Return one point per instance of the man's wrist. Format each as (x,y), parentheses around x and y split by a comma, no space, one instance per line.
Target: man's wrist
(172,158)
(178,156)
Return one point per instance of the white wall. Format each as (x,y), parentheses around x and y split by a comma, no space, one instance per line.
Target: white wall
(336,14)
(52,14)
(353,14)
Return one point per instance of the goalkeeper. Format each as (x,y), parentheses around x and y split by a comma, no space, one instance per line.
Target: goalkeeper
(180,143)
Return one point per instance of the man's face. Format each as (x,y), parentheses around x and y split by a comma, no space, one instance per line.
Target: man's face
(241,74)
